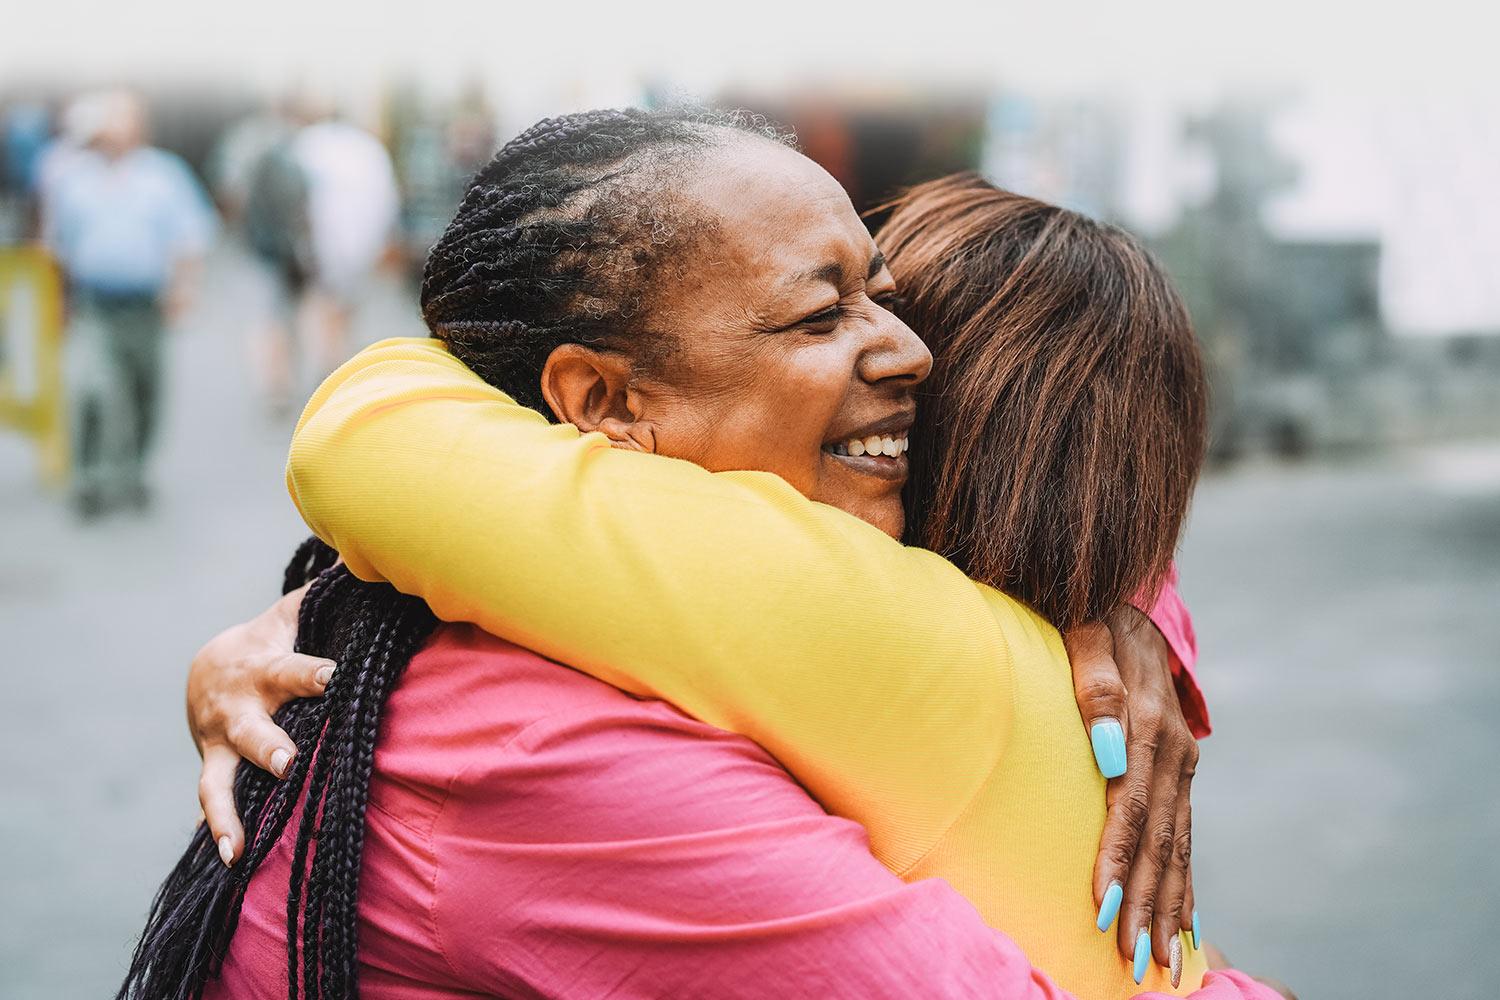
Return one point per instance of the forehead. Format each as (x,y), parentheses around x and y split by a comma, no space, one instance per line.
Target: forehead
(776,209)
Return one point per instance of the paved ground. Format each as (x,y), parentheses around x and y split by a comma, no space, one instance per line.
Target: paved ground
(1347,808)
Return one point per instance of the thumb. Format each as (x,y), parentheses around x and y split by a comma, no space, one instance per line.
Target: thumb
(1100,693)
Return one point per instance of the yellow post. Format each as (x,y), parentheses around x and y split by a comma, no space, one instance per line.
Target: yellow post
(33,338)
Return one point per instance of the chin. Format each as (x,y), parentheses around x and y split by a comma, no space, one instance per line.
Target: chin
(889,518)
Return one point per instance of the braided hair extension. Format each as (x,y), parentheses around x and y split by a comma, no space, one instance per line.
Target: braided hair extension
(557,240)
(373,631)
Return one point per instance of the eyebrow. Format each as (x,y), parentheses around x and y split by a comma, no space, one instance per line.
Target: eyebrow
(833,273)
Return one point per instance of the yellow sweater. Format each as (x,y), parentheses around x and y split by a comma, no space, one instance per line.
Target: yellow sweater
(937,712)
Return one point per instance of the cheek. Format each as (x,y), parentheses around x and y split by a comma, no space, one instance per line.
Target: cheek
(772,414)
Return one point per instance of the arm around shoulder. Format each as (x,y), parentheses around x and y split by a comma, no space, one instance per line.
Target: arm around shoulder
(865,666)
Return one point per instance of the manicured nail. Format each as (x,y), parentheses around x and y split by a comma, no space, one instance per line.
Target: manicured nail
(280,757)
(323,676)
(1111,905)
(1175,951)
(1142,953)
(226,852)
(1109,747)
(1196,944)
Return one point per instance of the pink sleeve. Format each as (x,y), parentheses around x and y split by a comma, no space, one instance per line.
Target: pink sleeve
(1171,617)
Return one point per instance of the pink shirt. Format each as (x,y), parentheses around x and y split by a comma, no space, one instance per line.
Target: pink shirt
(536,833)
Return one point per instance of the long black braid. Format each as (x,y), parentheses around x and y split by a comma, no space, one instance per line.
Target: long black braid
(373,631)
(559,239)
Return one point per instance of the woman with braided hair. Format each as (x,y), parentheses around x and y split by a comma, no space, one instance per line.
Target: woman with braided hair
(686,288)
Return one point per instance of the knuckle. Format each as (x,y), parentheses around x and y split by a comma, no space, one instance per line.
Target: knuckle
(1176,735)
(241,733)
(1135,810)
(1148,719)
(1120,854)
(275,673)
(211,711)
(1101,689)
(1182,847)
(1145,903)
(1160,842)
(1143,746)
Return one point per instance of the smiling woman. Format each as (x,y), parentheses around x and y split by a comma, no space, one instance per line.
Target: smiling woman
(782,353)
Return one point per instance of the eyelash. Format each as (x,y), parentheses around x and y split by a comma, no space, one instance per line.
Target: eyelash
(834,313)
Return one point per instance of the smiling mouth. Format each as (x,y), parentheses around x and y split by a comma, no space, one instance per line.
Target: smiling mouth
(879,455)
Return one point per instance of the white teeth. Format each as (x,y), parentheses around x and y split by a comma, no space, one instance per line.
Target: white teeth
(875,444)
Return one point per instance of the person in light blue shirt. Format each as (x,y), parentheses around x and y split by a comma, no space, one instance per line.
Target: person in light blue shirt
(128,224)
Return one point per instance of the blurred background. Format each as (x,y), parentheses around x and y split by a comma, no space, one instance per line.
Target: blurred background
(239,199)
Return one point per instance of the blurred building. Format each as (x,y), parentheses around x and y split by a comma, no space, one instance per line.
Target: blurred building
(1302,356)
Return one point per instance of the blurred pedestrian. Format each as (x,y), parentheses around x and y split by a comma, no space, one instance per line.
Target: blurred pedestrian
(352,207)
(129,224)
(263,189)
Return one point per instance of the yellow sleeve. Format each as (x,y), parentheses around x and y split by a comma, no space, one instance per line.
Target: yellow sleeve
(879,675)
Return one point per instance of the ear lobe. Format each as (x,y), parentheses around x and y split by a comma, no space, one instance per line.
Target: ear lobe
(630,435)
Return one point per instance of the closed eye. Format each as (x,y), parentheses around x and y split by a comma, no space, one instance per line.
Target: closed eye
(826,319)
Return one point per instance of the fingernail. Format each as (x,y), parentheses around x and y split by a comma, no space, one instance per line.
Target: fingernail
(1196,945)
(280,757)
(323,676)
(1175,951)
(226,853)
(1109,747)
(1142,953)
(1110,908)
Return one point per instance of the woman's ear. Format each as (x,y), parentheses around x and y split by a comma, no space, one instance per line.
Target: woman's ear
(591,390)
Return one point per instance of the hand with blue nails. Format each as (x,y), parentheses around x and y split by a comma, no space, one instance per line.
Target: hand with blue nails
(1122,675)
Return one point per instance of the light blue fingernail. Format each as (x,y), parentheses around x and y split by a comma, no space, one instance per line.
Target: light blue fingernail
(1110,908)
(1109,747)
(1142,952)
(1196,945)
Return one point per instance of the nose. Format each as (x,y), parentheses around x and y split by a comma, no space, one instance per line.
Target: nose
(894,354)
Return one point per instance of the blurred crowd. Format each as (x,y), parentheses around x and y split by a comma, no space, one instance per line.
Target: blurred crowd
(310,199)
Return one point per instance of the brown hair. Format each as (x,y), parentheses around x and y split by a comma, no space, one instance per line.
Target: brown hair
(1063,426)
